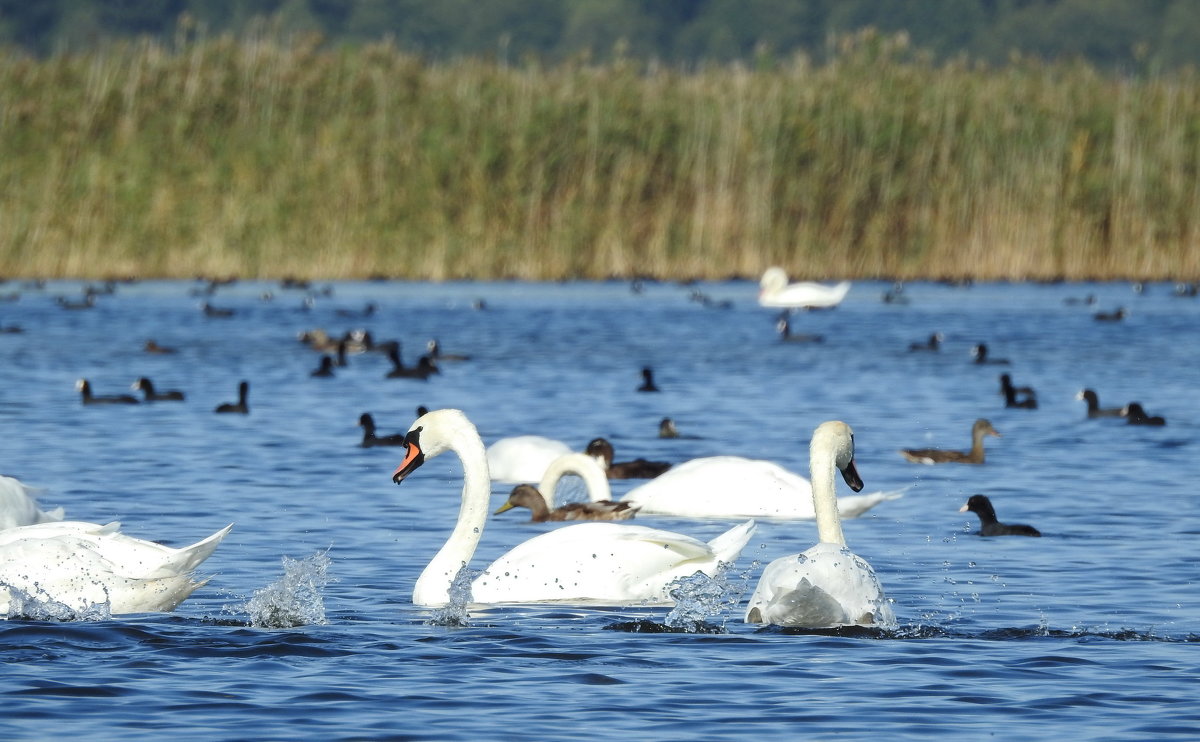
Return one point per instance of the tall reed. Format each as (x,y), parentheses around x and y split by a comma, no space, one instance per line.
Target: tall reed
(263,156)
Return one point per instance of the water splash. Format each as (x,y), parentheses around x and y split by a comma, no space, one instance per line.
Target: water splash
(455,613)
(700,597)
(25,605)
(295,599)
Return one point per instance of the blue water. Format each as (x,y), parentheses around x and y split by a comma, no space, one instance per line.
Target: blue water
(1087,633)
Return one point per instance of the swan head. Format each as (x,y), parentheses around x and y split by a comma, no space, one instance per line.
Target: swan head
(431,435)
(773,279)
(838,437)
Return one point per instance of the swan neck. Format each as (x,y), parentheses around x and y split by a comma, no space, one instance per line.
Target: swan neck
(433,586)
(586,467)
(822,468)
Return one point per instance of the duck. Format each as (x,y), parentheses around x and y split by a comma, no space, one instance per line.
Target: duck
(667,428)
(1134,414)
(934,343)
(324,370)
(1089,299)
(979,429)
(775,291)
(784,328)
(84,387)
(240,406)
(154,348)
(87,302)
(1093,405)
(217,312)
(81,566)
(1114,316)
(367,311)
(369,439)
(980,352)
(737,487)
(602,450)
(827,585)
(583,563)
(988,525)
(435,352)
(423,370)
(146,387)
(1010,392)
(523,458)
(540,499)
(648,384)
(19,507)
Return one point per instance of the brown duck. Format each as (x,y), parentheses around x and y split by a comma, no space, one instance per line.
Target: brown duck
(940,456)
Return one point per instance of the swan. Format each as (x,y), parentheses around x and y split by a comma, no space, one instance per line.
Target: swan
(775,291)
(80,565)
(827,585)
(18,507)
(736,487)
(523,458)
(594,563)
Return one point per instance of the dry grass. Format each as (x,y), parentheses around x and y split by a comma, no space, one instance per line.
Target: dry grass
(259,157)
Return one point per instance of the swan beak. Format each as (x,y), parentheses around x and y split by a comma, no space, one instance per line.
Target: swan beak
(413,458)
(504,508)
(850,474)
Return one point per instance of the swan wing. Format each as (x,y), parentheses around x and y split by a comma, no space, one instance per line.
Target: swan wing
(18,505)
(827,585)
(523,458)
(726,487)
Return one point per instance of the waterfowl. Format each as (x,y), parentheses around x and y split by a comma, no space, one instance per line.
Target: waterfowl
(667,428)
(736,487)
(775,291)
(1093,405)
(1135,415)
(980,353)
(153,347)
(87,302)
(648,384)
(146,386)
(435,352)
(1010,392)
(19,507)
(325,369)
(591,563)
(82,566)
(218,312)
(523,458)
(988,525)
(1114,316)
(84,387)
(240,406)
(540,499)
(1089,299)
(423,370)
(786,335)
(366,311)
(827,585)
(933,343)
(369,439)
(940,456)
(602,450)
(895,295)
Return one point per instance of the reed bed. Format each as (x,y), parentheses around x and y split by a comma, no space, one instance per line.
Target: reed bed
(260,156)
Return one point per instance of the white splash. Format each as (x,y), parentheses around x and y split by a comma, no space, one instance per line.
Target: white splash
(24,605)
(700,597)
(296,599)
(455,613)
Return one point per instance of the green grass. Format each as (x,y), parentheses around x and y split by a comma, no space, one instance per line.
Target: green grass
(262,157)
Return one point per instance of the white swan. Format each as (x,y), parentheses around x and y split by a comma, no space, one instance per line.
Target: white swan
(18,507)
(827,585)
(523,458)
(582,465)
(735,487)
(81,565)
(775,291)
(594,563)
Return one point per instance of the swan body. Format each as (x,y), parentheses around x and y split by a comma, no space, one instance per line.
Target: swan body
(590,563)
(827,585)
(18,507)
(736,487)
(775,291)
(523,458)
(81,565)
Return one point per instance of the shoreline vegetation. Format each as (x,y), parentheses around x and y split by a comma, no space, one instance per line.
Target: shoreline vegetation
(266,156)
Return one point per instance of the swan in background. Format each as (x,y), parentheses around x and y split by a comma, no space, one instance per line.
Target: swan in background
(942,456)
(595,563)
(523,458)
(736,487)
(775,291)
(18,506)
(827,585)
(83,565)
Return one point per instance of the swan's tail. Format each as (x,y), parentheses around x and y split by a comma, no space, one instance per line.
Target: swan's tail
(729,545)
(852,506)
(189,557)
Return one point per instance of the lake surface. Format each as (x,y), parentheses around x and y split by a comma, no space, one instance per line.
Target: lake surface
(1089,632)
